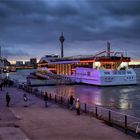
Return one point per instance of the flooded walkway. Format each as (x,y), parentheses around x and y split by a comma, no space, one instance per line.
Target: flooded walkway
(35,122)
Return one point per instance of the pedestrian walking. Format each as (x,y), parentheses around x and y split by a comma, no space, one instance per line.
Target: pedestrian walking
(25,99)
(46,99)
(23,86)
(78,106)
(8,98)
(71,101)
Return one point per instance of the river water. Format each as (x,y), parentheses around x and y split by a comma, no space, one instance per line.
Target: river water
(124,99)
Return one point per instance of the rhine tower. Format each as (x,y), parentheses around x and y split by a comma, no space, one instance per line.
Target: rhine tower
(62,39)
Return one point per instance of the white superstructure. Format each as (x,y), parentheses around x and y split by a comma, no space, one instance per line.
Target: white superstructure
(105,77)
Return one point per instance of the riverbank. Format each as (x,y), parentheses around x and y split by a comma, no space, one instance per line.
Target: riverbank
(52,123)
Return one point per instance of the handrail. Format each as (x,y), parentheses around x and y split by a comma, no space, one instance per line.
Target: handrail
(127,122)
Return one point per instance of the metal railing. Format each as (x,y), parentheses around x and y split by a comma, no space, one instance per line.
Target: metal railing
(111,117)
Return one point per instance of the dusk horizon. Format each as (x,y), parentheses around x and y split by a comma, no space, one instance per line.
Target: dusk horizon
(32,28)
(69,68)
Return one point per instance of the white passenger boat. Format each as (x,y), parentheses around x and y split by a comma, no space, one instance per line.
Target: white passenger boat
(106,68)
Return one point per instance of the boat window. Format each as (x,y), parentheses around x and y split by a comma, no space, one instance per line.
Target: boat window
(123,72)
(129,72)
(114,72)
(106,72)
(119,72)
(88,73)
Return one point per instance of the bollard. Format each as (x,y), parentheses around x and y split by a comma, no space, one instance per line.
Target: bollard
(41,94)
(125,123)
(50,97)
(28,89)
(68,103)
(61,99)
(109,118)
(55,99)
(85,108)
(31,90)
(96,112)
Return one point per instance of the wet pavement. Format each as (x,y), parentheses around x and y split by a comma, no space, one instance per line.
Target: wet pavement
(35,122)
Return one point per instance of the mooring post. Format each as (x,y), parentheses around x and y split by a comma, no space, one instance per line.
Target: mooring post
(85,108)
(96,112)
(109,117)
(55,99)
(61,99)
(125,123)
(50,97)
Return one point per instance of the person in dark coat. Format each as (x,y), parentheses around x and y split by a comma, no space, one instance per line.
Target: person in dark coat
(1,86)
(8,98)
(71,101)
(46,99)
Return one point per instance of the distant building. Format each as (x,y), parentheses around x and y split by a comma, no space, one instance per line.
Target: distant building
(27,63)
(6,62)
(1,65)
(19,63)
(33,62)
(4,65)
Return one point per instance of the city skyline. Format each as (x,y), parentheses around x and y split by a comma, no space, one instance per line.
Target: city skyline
(32,28)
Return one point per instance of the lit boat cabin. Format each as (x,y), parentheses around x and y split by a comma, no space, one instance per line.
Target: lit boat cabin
(67,65)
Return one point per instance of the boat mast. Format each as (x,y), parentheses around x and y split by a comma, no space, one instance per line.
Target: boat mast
(108,49)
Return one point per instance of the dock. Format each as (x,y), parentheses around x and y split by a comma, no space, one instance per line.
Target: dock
(49,82)
(35,122)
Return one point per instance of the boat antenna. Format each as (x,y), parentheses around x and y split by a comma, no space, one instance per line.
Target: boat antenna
(108,49)
(62,39)
(126,53)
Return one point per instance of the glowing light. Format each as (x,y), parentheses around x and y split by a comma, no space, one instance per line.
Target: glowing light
(124,104)
(134,62)
(96,65)
(124,64)
(51,68)
(7,74)
(13,62)
(86,61)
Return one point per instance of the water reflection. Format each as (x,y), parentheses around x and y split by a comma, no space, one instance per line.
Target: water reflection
(7,74)
(88,94)
(110,97)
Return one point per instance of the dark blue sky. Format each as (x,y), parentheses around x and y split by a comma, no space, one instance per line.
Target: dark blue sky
(31,28)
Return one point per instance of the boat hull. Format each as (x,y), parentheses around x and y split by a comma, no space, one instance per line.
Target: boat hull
(105,77)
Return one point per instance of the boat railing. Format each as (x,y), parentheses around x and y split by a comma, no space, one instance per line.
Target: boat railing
(119,72)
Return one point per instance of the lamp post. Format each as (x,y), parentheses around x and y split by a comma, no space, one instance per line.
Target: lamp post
(61,41)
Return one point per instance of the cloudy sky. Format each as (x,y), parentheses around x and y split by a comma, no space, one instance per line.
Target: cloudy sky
(31,28)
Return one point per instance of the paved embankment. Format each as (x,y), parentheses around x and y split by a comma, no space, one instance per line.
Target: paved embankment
(36,122)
